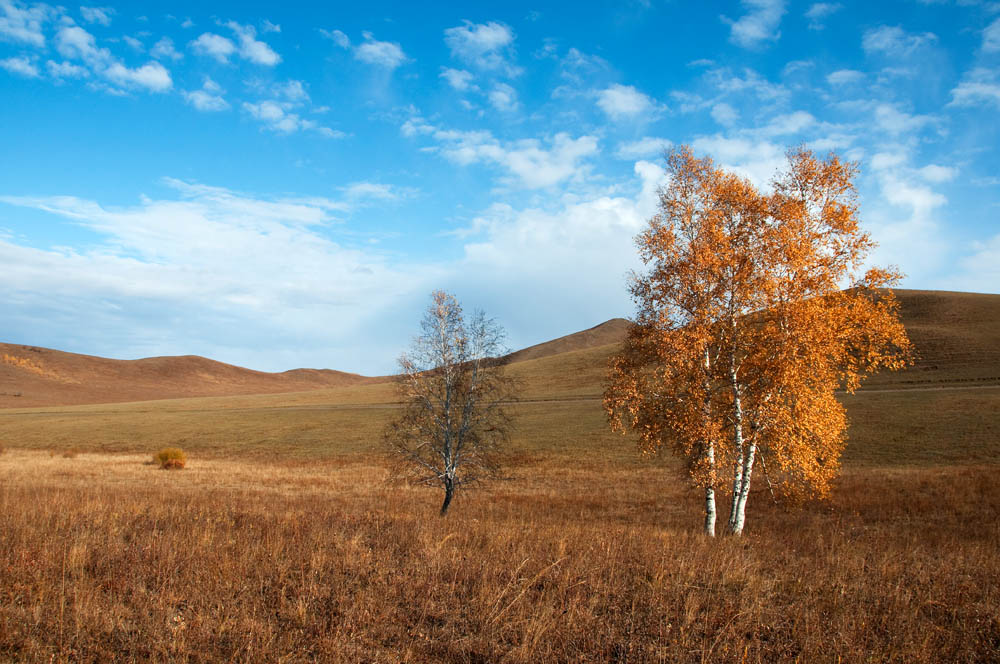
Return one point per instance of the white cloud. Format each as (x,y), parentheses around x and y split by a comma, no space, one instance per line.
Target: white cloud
(380,53)
(729,83)
(251,48)
(66,70)
(134,43)
(23,24)
(292,90)
(755,159)
(528,163)
(75,42)
(21,66)
(819,11)
(337,37)
(482,45)
(937,174)
(279,117)
(897,122)
(152,76)
(725,114)
(573,257)
(357,191)
(894,41)
(845,77)
(267,26)
(979,268)
(991,37)
(903,217)
(100,15)
(209,98)
(758,25)
(214,45)
(459,79)
(503,97)
(241,270)
(977,87)
(624,101)
(644,148)
(164,48)
(789,124)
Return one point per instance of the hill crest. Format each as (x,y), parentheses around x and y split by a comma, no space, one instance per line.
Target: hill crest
(956,336)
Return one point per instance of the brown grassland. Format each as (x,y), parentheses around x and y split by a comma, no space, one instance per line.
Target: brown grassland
(282,539)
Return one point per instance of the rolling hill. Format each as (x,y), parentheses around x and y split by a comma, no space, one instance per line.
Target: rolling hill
(32,376)
(956,335)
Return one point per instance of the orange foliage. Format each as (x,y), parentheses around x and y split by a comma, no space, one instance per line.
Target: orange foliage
(743,330)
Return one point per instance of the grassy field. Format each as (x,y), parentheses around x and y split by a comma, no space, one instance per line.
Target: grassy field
(107,558)
(283,539)
(561,414)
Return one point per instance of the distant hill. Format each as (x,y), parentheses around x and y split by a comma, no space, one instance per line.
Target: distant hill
(956,335)
(608,332)
(32,376)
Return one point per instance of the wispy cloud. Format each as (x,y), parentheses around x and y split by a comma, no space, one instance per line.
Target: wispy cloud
(337,37)
(978,87)
(209,98)
(893,41)
(483,45)
(379,53)
(251,48)
(819,11)
(164,49)
(247,46)
(21,66)
(759,25)
(21,24)
(75,43)
(187,256)
(278,116)
(61,70)
(504,98)
(991,37)
(459,79)
(214,45)
(621,102)
(645,148)
(527,163)
(101,15)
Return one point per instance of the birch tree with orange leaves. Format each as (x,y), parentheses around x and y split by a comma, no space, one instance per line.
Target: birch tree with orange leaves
(744,329)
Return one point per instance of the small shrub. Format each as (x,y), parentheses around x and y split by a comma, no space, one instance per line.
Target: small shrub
(170,458)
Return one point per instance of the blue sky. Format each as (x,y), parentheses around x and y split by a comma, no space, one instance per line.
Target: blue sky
(280,185)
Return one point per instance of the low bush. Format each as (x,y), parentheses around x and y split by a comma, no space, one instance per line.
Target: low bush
(170,458)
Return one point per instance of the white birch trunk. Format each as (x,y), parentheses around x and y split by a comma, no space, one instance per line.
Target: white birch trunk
(710,496)
(741,506)
(710,512)
(740,459)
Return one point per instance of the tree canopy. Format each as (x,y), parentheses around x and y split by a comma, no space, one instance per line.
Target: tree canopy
(754,308)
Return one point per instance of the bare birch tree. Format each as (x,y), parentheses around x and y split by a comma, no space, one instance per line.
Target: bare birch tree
(456,419)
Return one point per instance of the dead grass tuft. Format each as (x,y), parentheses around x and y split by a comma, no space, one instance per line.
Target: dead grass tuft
(171,458)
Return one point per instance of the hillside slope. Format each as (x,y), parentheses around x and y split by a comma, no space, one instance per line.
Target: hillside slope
(956,336)
(32,376)
(608,332)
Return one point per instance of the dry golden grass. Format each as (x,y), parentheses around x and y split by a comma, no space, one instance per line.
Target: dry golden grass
(282,540)
(106,558)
